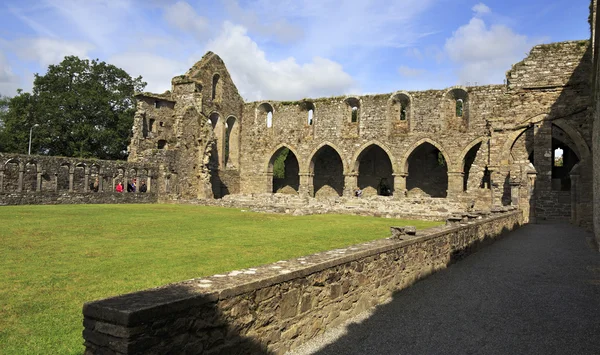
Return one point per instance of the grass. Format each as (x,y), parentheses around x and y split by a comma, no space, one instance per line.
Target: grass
(55,258)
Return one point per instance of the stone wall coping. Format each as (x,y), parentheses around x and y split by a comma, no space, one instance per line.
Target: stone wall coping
(138,307)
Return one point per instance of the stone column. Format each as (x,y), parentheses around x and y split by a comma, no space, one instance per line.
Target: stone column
(306,187)
(148,183)
(86,181)
(532,186)
(38,182)
(350,184)
(20,187)
(55,182)
(455,183)
(269,177)
(70,181)
(1,180)
(100,182)
(400,185)
(575,186)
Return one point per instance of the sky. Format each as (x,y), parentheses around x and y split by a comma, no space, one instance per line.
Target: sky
(288,49)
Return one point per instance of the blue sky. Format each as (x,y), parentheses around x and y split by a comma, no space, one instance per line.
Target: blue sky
(288,49)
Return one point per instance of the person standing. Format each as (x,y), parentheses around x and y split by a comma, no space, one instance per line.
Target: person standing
(119,187)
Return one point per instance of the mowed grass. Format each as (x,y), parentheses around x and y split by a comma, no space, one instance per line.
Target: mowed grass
(55,258)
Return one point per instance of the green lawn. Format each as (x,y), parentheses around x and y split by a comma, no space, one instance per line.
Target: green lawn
(55,258)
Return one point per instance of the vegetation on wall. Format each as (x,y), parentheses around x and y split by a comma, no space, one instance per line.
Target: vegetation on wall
(79,108)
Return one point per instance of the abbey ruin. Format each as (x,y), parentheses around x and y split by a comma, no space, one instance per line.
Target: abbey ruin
(527,142)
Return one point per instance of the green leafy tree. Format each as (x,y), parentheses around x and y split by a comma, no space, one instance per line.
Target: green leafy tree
(4,102)
(279,164)
(82,108)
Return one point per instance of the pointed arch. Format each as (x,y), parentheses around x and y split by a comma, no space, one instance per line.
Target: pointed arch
(580,143)
(374,166)
(283,172)
(277,148)
(409,151)
(460,162)
(327,168)
(232,142)
(308,163)
(361,150)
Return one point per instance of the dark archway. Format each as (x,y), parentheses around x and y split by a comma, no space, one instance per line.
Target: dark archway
(564,157)
(375,171)
(468,178)
(427,171)
(328,172)
(285,168)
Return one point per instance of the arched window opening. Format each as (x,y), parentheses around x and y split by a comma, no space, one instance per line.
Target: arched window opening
(310,117)
(474,172)
(459,107)
(265,111)
(427,172)
(215,86)
(231,142)
(375,172)
(354,114)
(269,119)
(402,112)
(558,157)
(11,176)
(30,177)
(79,178)
(285,168)
(328,173)
(354,105)
(564,158)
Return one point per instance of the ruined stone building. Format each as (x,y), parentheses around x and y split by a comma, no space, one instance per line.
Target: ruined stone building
(477,145)
(526,142)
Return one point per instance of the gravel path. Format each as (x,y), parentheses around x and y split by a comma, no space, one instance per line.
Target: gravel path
(537,291)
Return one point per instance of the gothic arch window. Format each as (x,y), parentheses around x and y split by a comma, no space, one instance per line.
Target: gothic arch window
(265,110)
(216,87)
(354,106)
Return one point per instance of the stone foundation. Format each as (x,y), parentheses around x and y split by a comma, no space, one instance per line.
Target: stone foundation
(275,308)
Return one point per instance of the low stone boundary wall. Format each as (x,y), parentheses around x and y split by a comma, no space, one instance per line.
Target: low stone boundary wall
(277,307)
(57,198)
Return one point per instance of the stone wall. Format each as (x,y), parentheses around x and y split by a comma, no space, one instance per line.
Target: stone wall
(277,307)
(35,179)
(595,23)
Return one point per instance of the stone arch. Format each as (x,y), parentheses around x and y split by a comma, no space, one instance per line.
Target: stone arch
(455,108)
(360,150)
(404,162)
(290,181)
(232,142)
(353,105)
(508,144)
(309,108)
(460,162)
(217,89)
(326,166)
(265,111)
(308,163)
(268,166)
(218,127)
(63,177)
(580,143)
(426,171)
(11,176)
(79,177)
(400,108)
(30,176)
(374,166)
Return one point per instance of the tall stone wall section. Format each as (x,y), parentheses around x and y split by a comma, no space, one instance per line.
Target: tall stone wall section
(35,179)
(595,24)
(277,307)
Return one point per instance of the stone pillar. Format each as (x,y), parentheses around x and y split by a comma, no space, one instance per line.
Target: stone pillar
(38,182)
(100,182)
(86,181)
(494,177)
(306,187)
(55,182)
(148,183)
(455,183)
(1,180)
(515,188)
(269,177)
(532,186)
(70,181)
(350,184)
(20,187)
(542,155)
(575,186)
(400,185)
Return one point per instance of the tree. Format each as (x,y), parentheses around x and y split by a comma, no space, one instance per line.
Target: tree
(4,102)
(82,108)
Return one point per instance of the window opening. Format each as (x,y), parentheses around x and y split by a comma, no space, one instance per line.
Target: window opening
(354,114)
(459,107)
(269,119)
(558,157)
(310,117)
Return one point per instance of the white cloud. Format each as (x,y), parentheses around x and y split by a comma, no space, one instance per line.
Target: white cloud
(182,16)
(481,9)
(256,77)
(155,70)
(9,82)
(410,72)
(46,51)
(484,53)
